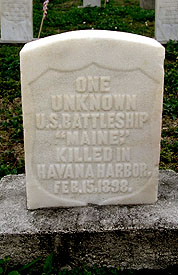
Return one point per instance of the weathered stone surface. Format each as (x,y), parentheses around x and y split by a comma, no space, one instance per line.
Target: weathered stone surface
(166,20)
(91,3)
(16,20)
(92,118)
(143,236)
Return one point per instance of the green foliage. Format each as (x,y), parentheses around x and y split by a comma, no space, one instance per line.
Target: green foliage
(47,267)
(170,107)
(128,18)
(4,265)
(10,62)
(7,269)
(14,273)
(172,51)
(171,70)
(169,148)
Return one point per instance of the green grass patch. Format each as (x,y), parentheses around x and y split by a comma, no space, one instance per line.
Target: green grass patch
(123,16)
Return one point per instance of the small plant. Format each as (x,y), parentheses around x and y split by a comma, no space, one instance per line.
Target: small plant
(4,265)
(5,268)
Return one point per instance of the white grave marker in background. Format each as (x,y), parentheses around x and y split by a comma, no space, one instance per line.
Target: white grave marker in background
(92,118)
(166,20)
(91,3)
(16,20)
(147,4)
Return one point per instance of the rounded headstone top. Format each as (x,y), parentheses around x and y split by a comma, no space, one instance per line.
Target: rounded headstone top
(93,34)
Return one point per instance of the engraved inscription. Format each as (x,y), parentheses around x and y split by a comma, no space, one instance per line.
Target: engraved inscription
(120,120)
(15,11)
(93,102)
(168,11)
(88,186)
(72,171)
(93,84)
(88,131)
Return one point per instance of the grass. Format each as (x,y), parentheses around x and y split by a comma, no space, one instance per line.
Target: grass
(64,15)
(47,267)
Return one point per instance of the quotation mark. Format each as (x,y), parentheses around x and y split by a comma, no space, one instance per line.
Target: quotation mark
(124,133)
(61,134)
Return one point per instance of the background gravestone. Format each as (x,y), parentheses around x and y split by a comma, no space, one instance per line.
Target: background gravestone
(92,119)
(16,20)
(166,20)
(147,4)
(92,3)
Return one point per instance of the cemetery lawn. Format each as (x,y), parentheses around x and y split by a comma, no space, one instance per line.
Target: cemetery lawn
(63,16)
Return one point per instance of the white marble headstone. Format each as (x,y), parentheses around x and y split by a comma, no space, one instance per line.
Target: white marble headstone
(147,4)
(166,20)
(91,3)
(92,118)
(16,20)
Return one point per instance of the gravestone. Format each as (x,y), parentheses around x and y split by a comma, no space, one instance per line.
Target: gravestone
(147,4)
(91,3)
(16,20)
(92,118)
(166,20)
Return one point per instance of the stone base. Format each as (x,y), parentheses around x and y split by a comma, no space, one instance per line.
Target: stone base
(129,237)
